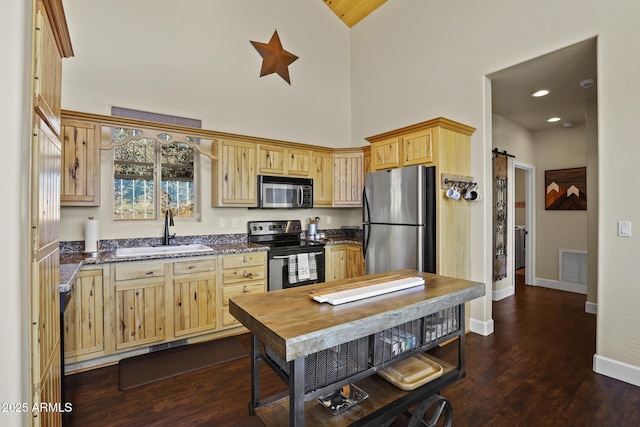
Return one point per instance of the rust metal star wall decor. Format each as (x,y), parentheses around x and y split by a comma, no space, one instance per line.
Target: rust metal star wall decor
(274,58)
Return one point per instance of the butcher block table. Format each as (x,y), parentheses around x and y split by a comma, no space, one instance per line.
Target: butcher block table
(318,348)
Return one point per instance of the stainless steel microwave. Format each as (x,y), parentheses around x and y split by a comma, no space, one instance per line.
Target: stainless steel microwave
(284,192)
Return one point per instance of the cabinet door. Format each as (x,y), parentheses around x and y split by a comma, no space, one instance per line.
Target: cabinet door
(271,160)
(385,154)
(194,304)
(140,316)
(48,72)
(338,264)
(348,179)
(355,261)
(80,164)
(322,174)
(417,148)
(234,175)
(84,317)
(298,162)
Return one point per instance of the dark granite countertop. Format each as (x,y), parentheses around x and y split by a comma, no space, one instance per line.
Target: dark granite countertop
(71,262)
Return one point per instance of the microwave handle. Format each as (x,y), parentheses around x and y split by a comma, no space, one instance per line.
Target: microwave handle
(300,196)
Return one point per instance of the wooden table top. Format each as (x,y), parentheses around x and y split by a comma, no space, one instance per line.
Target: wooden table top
(294,325)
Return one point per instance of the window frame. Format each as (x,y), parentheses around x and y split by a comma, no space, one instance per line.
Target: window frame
(158,213)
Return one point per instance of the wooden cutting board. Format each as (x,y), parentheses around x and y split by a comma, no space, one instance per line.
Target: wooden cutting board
(412,373)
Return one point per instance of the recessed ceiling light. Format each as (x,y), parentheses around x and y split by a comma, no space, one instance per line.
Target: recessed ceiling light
(567,124)
(539,93)
(554,119)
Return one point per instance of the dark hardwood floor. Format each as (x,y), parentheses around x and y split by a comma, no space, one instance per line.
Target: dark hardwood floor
(535,370)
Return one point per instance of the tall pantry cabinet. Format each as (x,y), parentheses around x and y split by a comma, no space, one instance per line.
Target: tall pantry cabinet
(51,44)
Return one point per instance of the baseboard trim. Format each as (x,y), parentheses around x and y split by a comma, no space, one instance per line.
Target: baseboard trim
(617,370)
(591,307)
(481,328)
(561,286)
(503,293)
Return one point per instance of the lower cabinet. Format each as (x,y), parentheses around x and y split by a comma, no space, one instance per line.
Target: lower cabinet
(343,262)
(125,306)
(241,273)
(194,296)
(84,335)
(139,304)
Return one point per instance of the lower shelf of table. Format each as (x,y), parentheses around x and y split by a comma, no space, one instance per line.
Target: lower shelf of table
(381,395)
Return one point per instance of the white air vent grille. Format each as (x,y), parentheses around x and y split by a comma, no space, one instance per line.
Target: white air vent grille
(573,266)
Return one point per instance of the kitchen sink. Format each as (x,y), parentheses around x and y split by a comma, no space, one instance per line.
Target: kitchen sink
(160,250)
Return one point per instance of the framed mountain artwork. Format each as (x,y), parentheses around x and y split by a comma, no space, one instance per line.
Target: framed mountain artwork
(566,189)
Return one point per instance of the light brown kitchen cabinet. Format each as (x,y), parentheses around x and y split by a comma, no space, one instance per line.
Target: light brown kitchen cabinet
(281,160)
(139,295)
(234,176)
(298,162)
(271,160)
(322,174)
(417,148)
(355,261)
(385,154)
(194,296)
(84,335)
(80,172)
(366,162)
(241,273)
(51,43)
(48,71)
(335,262)
(343,262)
(348,180)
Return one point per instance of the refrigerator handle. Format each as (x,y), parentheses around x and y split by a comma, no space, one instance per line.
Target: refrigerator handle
(365,239)
(365,206)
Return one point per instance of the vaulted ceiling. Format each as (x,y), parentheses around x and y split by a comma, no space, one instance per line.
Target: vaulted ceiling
(353,11)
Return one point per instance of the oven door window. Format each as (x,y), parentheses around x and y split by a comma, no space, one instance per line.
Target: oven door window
(281,195)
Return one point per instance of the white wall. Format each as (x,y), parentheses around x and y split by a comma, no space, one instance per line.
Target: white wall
(415,60)
(558,149)
(195,59)
(15,110)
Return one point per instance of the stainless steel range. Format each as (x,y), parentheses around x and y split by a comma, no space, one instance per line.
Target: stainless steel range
(292,261)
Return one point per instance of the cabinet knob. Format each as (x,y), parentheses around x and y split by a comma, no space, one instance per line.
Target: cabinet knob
(149,273)
(245,259)
(245,289)
(247,274)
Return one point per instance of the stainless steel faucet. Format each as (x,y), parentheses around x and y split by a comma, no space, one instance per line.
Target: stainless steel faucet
(168,222)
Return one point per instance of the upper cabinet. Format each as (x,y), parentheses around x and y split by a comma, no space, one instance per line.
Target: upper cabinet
(322,174)
(80,163)
(233,174)
(417,148)
(271,160)
(348,179)
(51,45)
(416,144)
(385,154)
(280,160)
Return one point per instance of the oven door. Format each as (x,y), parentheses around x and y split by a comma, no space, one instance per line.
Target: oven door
(279,268)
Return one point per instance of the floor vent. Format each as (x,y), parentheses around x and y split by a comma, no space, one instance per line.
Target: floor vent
(167,345)
(573,266)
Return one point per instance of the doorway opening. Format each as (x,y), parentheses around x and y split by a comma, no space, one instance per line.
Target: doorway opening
(524,223)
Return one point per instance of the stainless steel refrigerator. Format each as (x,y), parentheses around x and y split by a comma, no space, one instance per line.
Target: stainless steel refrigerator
(399,220)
